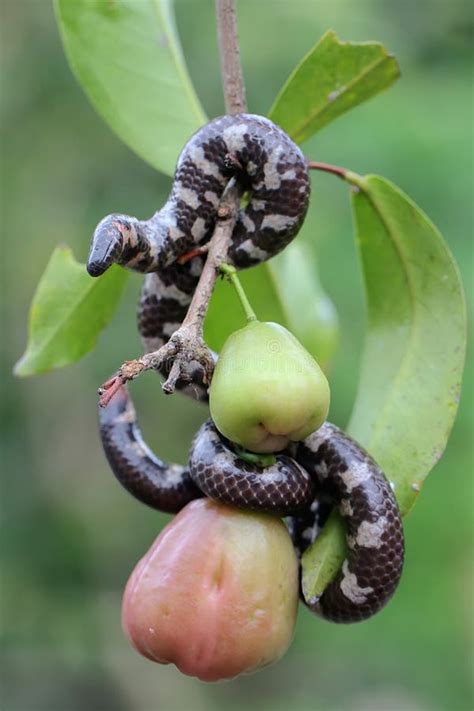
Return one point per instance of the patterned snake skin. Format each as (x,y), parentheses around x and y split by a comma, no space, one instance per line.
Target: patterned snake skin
(325,470)
(166,487)
(344,472)
(281,488)
(327,466)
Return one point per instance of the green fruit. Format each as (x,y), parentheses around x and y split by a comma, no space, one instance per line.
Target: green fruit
(267,390)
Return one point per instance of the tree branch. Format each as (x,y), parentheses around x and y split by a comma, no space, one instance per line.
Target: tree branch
(187,344)
(327,168)
(231,70)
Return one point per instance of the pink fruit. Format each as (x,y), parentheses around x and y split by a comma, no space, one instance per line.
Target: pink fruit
(216,594)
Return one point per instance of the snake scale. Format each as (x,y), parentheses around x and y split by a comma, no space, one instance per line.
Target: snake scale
(326,469)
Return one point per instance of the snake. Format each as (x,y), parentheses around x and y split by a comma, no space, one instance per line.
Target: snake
(272,171)
(308,479)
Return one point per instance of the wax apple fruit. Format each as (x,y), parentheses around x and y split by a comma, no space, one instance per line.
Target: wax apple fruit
(216,594)
(267,390)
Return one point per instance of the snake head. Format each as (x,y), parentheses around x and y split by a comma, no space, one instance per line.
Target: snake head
(111,235)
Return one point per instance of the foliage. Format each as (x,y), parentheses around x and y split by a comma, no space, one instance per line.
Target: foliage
(414,352)
(100,39)
(68,311)
(334,77)
(412,367)
(416,330)
(128,58)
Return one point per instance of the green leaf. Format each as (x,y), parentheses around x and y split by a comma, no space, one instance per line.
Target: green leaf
(308,312)
(68,312)
(416,336)
(286,290)
(127,56)
(334,77)
(321,561)
(414,354)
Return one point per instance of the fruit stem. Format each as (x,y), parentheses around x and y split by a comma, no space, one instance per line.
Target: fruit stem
(231,273)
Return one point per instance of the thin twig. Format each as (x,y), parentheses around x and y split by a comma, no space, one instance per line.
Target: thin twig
(217,253)
(231,70)
(327,168)
(187,344)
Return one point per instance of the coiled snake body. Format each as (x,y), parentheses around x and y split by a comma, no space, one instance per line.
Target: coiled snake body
(326,466)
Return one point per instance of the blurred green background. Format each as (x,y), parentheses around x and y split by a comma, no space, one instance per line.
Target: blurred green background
(71,535)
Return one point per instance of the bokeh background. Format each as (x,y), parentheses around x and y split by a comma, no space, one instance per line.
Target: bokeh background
(71,535)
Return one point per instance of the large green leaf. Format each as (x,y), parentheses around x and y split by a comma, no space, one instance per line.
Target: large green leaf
(68,311)
(308,312)
(414,353)
(334,77)
(416,334)
(127,56)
